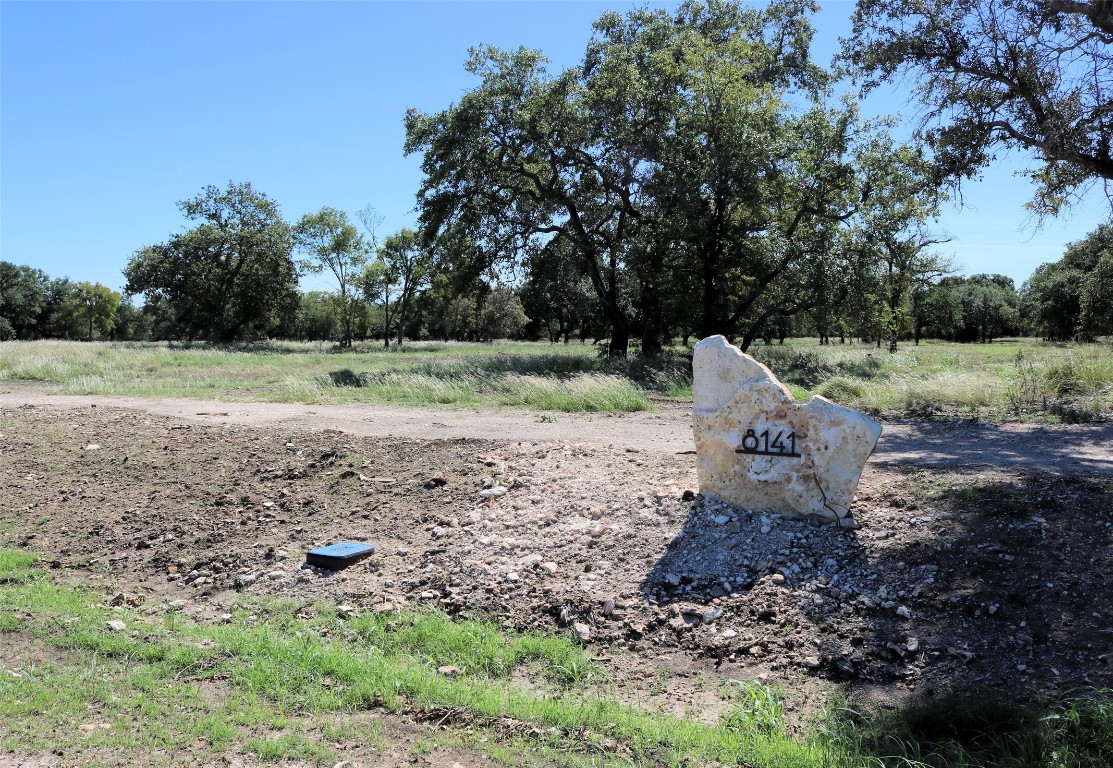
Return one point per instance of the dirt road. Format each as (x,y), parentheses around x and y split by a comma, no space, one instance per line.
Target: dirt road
(944,444)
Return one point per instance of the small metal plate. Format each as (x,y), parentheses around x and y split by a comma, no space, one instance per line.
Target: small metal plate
(338,556)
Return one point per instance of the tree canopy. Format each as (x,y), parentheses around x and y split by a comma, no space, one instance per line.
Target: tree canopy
(692,153)
(231,274)
(333,243)
(998,74)
(92,307)
(1073,297)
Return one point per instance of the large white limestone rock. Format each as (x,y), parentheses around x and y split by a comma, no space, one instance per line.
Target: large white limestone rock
(760,449)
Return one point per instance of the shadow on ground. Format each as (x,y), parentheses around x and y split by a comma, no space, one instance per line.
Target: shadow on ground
(967,583)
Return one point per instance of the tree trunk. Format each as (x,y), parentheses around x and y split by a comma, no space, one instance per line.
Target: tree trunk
(620,339)
(651,335)
(401,320)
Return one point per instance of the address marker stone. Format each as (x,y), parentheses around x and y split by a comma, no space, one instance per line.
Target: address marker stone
(760,449)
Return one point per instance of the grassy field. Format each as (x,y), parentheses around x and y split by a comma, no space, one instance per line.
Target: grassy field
(1009,379)
(109,686)
(1019,379)
(540,376)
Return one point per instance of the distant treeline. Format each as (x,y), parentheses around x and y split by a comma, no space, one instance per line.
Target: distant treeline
(693,174)
(1071,298)
(234,276)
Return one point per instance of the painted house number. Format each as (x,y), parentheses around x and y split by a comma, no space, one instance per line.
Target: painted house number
(769,443)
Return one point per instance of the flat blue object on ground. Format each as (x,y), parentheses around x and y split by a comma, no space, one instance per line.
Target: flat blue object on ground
(340,555)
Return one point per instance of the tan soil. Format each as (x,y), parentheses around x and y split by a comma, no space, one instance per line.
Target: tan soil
(982,555)
(1086,448)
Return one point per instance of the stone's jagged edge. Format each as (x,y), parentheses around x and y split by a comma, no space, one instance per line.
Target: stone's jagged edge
(733,393)
(748,370)
(820,406)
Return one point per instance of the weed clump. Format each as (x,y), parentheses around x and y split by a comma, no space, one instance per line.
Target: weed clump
(841,389)
(977,729)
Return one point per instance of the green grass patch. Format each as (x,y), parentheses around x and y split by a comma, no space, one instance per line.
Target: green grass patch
(1010,379)
(280,686)
(259,683)
(16,567)
(963,729)
(535,376)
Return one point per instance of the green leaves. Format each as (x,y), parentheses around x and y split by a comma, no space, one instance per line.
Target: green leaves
(93,307)
(1073,297)
(231,274)
(333,243)
(997,75)
(688,151)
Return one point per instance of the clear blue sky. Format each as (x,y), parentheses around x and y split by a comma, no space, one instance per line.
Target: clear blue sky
(112,112)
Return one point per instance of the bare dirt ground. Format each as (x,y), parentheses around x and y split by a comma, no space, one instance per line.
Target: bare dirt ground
(983,553)
(1086,448)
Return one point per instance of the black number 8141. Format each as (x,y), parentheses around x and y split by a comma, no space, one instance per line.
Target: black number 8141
(764,444)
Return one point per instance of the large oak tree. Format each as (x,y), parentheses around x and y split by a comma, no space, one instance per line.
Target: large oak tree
(231,273)
(692,166)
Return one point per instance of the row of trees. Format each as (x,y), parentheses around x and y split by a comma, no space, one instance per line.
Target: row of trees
(977,308)
(234,275)
(34,305)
